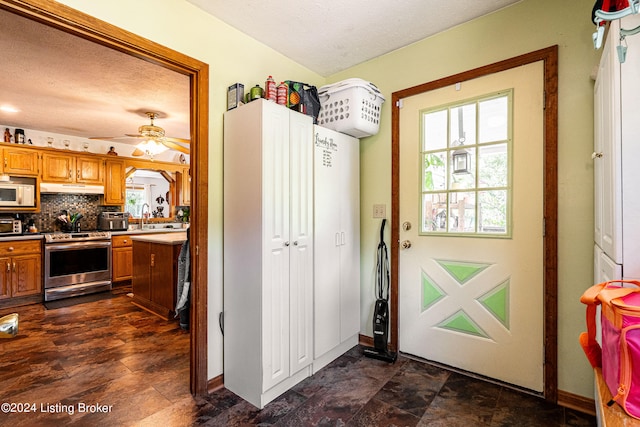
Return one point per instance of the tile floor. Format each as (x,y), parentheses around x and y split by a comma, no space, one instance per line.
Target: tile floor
(114,354)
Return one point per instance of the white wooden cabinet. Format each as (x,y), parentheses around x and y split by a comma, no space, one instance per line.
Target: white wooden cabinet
(337,245)
(617,157)
(268,250)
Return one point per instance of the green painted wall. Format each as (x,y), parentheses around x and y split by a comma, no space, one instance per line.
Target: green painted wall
(524,27)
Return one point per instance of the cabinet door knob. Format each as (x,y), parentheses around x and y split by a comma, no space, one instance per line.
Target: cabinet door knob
(295,243)
(10,249)
(286,243)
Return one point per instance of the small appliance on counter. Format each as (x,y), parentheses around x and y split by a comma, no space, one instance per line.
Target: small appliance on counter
(113,221)
(9,226)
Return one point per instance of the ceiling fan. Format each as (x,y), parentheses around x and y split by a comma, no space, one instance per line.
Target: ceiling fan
(154,137)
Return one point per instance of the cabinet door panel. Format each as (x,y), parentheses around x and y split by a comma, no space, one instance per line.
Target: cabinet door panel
(89,170)
(350,248)
(20,162)
(301,232)
(57,167)
(26,275)
(114,185)
(122,264)
(5,278)
(275,303)
(327,240)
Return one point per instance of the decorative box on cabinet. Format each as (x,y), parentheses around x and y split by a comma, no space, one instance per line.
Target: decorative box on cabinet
(336,244)
(268,250)
(616,153)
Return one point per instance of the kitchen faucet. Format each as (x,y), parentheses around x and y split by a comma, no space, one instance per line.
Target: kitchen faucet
(142,219)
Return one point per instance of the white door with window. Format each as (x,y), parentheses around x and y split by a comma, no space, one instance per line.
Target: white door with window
(471,280)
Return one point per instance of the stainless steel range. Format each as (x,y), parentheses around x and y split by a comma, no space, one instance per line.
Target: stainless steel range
(76,264)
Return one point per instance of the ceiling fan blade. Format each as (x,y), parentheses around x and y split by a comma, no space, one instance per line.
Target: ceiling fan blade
(134,136)
(104,137)
(182,140)
(174,146)
(137,152)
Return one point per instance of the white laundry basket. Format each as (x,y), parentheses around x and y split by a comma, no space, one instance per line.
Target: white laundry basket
(351,106)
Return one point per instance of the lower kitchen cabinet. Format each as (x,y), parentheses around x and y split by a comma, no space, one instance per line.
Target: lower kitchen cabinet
(155,272)
(121,258)
(20,272)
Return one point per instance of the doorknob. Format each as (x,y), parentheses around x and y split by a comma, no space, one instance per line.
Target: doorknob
(406,244)
(406,226)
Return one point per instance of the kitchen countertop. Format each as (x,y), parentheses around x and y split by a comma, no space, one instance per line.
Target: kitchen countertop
(162,238)
(26,236)
(148,231)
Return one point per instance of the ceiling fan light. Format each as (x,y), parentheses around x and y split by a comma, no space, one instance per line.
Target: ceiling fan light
(152,147)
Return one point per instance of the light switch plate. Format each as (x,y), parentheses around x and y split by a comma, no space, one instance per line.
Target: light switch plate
(379,211)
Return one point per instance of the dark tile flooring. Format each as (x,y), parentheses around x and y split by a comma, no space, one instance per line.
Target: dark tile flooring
(136,366)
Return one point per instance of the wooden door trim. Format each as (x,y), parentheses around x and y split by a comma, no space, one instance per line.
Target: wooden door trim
(549,56)
(80,24)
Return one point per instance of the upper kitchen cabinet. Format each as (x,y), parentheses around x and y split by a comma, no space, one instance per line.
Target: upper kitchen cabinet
(19,162)
(114,182)
(183,187)
(67,168)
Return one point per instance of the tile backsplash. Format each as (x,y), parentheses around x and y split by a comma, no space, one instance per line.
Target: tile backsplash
(53,204)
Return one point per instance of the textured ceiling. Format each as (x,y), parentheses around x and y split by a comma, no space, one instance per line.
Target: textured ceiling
(65,84)
(328,36)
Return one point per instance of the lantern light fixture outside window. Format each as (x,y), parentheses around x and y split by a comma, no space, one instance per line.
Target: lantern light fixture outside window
(461,161)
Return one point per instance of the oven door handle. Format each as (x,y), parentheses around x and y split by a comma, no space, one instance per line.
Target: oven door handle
(77,245)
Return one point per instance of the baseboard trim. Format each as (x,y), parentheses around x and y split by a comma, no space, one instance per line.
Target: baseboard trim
(578,403)
(365,340)
(215,383)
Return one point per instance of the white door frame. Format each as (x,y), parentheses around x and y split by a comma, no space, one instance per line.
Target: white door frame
(549,56)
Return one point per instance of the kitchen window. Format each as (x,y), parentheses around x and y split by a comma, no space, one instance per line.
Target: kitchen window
(465,152)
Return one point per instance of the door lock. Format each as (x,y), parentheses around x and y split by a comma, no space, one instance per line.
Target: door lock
(406,244)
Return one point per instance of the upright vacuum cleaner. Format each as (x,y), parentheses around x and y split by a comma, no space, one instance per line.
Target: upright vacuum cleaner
(381,311)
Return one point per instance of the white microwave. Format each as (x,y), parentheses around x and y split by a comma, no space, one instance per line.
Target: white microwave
(13,194)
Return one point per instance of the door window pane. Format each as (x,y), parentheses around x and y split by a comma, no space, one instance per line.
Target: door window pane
(465,167)
(434,130)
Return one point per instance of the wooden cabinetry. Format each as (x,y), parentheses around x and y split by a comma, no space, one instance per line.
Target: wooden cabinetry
(268,246)
(336,244)
(183,187)
(616,132)
(20,272)
(21,162)
(114,182)
(69,168)
(155,272)
(121,258)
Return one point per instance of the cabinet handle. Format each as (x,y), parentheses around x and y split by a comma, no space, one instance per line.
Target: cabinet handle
(597,155)
(337,239)
(14,267)
(5,162)
(153,260)
(343,239)
(70,174)
(8,267)
(286,243)
(78,174)
(10,249)
(125,240)
(295,243)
